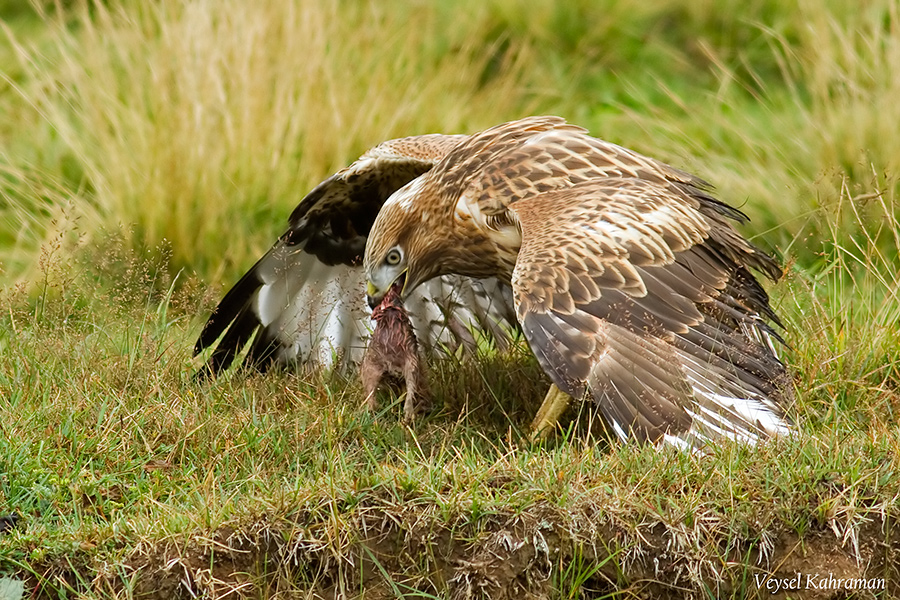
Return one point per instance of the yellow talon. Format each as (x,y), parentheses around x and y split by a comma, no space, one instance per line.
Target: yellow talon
(555,403)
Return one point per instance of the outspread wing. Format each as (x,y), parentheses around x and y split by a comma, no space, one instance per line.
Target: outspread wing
(635,291)
(490,171)
(304,299)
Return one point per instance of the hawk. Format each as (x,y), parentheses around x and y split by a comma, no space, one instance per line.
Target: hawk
(632,287)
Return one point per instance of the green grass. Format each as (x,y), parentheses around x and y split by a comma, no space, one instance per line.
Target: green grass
(120,464)
(149,152)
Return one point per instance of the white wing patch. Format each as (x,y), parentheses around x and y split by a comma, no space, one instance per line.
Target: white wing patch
(315,311)
(318,315)
(752,408)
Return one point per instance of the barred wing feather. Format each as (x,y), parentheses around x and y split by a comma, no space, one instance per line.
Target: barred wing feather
(630,295)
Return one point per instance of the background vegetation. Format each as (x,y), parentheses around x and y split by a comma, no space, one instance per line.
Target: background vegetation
(151,151)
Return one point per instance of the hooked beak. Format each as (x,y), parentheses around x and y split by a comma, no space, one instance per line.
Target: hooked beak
(374,296)
(371,298)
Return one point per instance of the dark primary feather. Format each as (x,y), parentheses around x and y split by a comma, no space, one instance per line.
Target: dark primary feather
(333,221)
(234,317)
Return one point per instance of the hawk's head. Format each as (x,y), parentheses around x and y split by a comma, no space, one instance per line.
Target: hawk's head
(419,234)
(401,245)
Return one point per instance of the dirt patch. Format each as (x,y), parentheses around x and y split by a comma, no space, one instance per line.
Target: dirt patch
(384,552)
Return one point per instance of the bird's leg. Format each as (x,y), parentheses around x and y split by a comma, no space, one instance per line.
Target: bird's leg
(555,403)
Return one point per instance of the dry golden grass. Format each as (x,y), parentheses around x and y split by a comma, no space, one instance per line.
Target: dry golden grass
(203,123)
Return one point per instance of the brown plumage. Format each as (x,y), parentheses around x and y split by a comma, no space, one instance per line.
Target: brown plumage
(393,351)
(631,285)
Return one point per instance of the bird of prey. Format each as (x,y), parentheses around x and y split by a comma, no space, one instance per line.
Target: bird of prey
(632,287)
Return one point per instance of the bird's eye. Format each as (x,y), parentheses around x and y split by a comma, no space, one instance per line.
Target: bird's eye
(393,257)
